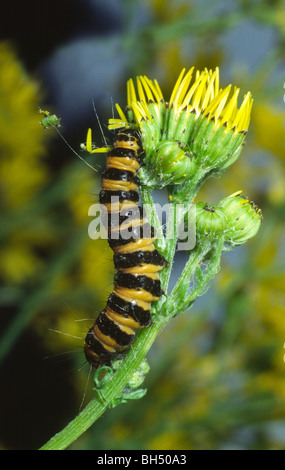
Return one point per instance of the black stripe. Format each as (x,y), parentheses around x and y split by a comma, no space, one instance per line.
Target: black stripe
(123,152)
(123,237)
(126,135)
(116,174)
(138,258)
(129,131)
(135,281)
(106,194)
(109,328)
(129,309)
(97,347)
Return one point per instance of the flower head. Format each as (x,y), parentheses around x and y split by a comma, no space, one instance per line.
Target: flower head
(201,128)
(244,218)
(200,121)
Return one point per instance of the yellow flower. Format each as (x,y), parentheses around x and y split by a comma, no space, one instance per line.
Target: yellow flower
(203,96)
(269,125)
(200,129)
(21,168)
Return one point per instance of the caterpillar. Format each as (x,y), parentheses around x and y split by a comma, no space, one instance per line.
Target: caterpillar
(137,261)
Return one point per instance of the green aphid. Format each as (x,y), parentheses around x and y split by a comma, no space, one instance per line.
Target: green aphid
(49,120)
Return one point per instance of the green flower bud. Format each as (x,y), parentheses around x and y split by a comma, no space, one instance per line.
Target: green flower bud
(172,163)
(216,147)
(244,218)
(210,221)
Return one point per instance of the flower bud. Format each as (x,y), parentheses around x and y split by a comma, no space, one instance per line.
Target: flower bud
(172,163)
(210,221)
(216,146)
(244,218)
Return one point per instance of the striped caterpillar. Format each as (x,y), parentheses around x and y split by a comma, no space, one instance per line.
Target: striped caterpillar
(136,284)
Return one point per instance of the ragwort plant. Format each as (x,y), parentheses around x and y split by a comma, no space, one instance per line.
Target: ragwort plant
(198,133)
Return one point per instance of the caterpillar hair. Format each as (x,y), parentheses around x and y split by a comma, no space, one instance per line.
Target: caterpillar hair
(137,261)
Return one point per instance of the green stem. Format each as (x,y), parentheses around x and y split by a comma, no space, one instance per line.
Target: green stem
(171,240)
(166,245)
(182,284)
(110,391)
(211,271)
(152,216)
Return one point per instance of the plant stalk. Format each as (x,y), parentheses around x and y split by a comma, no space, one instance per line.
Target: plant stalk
(97,407)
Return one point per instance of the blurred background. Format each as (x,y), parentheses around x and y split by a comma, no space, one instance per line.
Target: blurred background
(217,378)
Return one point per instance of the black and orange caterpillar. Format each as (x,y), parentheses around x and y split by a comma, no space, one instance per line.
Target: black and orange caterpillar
(136,284)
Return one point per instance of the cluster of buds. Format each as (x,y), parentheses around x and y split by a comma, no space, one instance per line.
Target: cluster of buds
(235,217)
